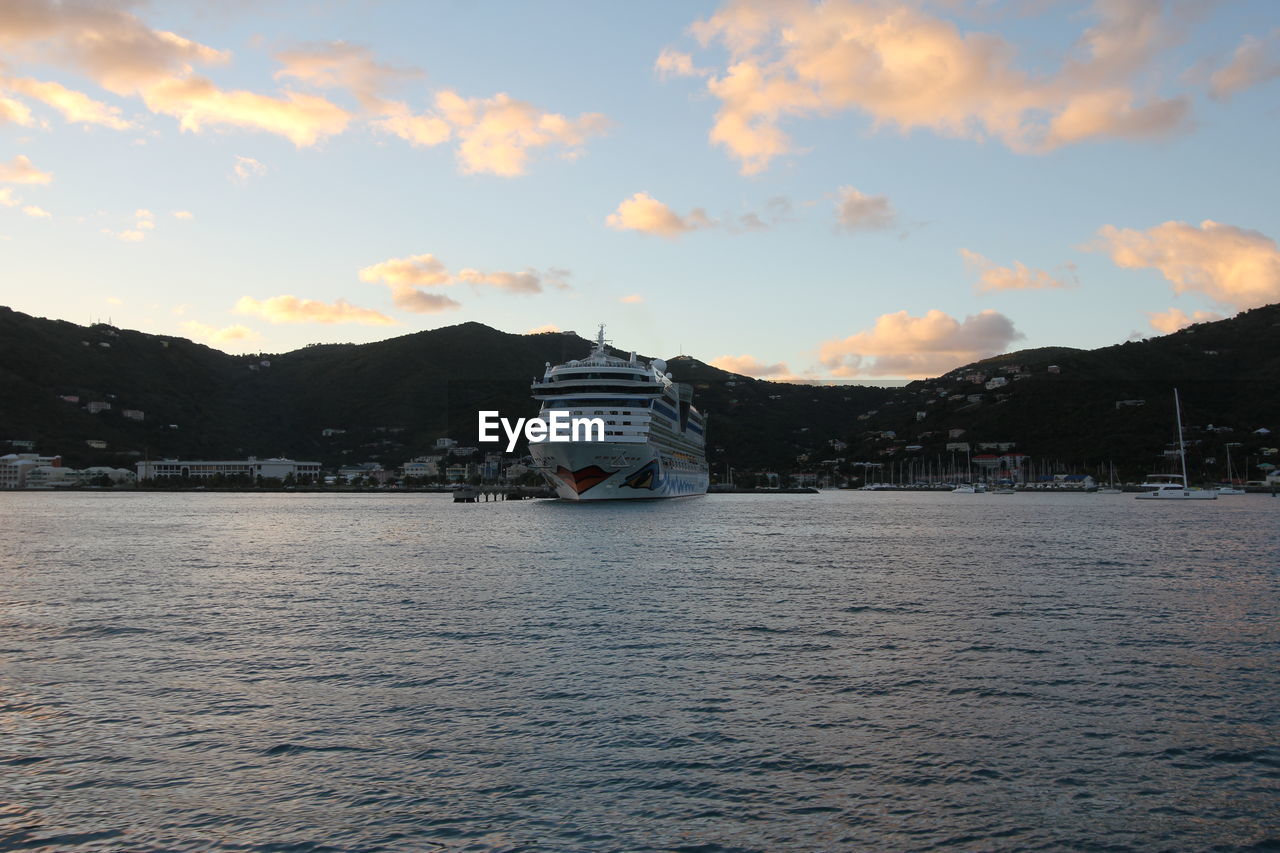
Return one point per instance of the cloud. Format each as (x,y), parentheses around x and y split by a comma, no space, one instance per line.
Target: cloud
(183,214)
(1255,61)
(917,347)
(76,107)
(8,199)
(291,309)
(37,212)
(130,236)
(111,45)
(747,365)
(543,330)
(227,335)
(14,111)
(1019,277)
(411,299)
(342,65)
(511,282)
(420,130)
(405,275)
(413,271)
(1235,267)
(1172,320)
(673,63)
(247,167)
(856,211)
(644,213)
(631,299)
(1113,113)
(197,103)
(495,135)
(904,68)
(125,56)
(20,170)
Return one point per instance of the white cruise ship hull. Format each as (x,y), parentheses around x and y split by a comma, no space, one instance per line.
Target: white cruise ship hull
(604,471)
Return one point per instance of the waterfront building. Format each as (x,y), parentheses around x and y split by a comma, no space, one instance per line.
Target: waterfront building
(15,467)
(204,468)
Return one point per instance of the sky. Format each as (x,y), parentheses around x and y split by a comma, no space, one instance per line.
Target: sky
(839,190)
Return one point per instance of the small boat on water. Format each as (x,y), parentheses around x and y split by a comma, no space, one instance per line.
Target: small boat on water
(1111,488)
(1173,487)
(1230,488)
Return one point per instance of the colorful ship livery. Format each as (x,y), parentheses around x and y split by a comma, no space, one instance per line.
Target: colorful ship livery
(654,441)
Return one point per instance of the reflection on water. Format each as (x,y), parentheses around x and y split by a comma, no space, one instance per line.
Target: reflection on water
(868,670)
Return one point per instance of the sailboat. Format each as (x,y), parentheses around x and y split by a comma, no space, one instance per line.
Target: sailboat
(1111,488)
(1176,488)
(1230,488)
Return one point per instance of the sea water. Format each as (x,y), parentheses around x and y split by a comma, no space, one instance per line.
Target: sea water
(848,670)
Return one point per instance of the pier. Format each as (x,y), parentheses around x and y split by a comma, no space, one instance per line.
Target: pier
(484,494)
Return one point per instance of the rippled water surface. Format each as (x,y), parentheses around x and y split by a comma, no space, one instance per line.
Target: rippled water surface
(807,672)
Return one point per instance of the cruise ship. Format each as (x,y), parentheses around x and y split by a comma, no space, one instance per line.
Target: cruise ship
(654,439)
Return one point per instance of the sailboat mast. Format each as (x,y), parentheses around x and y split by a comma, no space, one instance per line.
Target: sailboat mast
(1182,448)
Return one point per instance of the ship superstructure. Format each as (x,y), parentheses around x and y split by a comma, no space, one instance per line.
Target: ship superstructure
(654,441)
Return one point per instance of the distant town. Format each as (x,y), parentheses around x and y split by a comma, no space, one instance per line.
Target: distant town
(454,465)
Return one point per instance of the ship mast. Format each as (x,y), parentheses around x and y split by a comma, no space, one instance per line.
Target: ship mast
(1182,448)
(600,341)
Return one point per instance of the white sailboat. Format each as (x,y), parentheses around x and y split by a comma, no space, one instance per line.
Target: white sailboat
(1230,488)
(1111,487)
(1175,488)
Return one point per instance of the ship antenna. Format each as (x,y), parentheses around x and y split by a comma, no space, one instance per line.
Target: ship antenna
(600,341)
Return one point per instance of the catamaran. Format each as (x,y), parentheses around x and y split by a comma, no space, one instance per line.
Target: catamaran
(1173,487)
(654,439)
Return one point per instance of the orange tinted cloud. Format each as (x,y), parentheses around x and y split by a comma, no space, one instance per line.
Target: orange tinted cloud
(495,135)
(342,65)
(542,330)
(291,309)
(905,68)
(644,213)
(237,335)
(747,365)
(917,347)
(675,63)
(76,107)
(111,45)
(414,271)
(405,275)
(1172,320)
(1017,277)
(1233,266)
(856,211)
(247,167)
(15,112)
(197,103)
(527,281)
(1255,61)
(20,170)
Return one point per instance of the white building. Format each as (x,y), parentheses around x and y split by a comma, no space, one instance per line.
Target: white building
(51,476)
(14,468)
(204,469)
(421,469)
